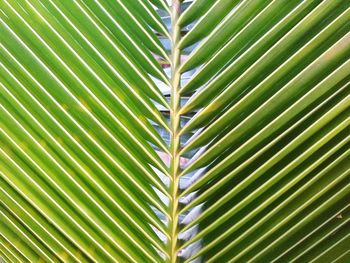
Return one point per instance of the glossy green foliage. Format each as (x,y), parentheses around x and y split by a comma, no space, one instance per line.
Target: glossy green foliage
(190,131)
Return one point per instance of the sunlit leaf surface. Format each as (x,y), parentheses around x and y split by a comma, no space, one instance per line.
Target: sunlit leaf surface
(174,131)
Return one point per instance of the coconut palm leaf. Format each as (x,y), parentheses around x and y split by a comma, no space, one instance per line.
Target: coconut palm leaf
(174,131)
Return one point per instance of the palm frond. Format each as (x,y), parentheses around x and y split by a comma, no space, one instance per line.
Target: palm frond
(174,131)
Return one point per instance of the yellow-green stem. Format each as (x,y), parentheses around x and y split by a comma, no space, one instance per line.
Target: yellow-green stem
(175,138)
